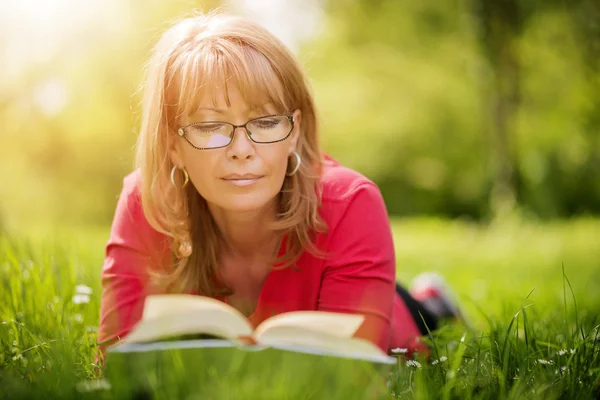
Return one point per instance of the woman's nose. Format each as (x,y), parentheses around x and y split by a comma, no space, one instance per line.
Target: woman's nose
(241,146)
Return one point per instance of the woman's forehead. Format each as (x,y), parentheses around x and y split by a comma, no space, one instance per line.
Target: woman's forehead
(222,109)
(230,97)
(224,76)
(229,101)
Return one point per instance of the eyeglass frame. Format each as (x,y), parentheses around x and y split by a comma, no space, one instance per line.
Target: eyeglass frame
(182,133)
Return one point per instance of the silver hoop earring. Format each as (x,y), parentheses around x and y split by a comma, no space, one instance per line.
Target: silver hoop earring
(298,162)
(186,177)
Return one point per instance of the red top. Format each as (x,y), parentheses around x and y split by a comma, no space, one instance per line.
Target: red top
(357,276)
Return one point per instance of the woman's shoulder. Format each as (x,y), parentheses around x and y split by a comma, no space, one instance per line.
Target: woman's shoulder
(346,195)
(129,205)
(341,184)
(131,183)
(351,204)
(130,226)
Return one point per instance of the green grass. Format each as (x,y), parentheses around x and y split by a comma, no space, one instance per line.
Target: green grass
(535,334)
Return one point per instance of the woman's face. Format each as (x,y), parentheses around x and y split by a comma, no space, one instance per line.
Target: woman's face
(244,176)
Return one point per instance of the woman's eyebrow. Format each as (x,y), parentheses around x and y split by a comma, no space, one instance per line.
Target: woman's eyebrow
(217,110)
(253,108)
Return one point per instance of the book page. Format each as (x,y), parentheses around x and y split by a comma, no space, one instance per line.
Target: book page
(307,340)
(334,324)
(171,315)
(317,331)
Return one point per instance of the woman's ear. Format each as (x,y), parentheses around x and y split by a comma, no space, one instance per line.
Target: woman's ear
(175,150)
(296,131)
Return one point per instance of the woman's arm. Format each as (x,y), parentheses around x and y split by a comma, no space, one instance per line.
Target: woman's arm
(133,250)
(360,271)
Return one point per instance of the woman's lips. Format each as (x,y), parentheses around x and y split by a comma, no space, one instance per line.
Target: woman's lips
(242,182)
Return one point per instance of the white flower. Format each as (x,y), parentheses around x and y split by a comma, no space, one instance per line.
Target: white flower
(545,362)
(565,351)
(442,359)
(93,385)
(78,318)
(81,299)
(413,363)
(563,368)
(83,289)
(399,350)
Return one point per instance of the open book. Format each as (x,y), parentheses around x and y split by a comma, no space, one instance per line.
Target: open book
(316,332)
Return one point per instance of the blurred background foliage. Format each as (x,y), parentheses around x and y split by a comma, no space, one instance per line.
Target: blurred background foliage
(456,108)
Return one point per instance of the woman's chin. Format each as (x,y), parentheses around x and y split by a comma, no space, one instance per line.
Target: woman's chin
(242,204)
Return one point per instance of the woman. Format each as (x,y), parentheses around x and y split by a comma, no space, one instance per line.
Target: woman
(233,199)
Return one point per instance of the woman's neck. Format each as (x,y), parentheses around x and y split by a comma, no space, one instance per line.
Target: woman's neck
(246,234)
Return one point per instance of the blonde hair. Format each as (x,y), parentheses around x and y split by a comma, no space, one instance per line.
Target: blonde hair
(204,52)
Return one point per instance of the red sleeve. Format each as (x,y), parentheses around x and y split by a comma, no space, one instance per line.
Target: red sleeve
(359,274)
(128,260)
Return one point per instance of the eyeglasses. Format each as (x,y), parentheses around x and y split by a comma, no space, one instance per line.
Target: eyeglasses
(216,134)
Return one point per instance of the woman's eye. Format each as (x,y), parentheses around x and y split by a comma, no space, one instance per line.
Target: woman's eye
(265,124)
(208,128)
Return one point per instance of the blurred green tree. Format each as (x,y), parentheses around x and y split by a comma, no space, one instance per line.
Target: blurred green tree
(464,108)
(459,108)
